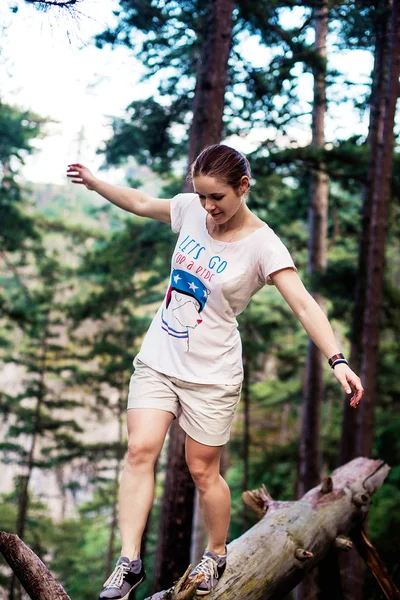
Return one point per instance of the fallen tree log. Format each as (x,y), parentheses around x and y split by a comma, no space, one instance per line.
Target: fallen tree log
(35,577)
(291,538)
(273,556)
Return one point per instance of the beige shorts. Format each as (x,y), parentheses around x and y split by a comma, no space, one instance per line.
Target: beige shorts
(205,411)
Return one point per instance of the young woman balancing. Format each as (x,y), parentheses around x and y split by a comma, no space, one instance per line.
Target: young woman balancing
(190,364)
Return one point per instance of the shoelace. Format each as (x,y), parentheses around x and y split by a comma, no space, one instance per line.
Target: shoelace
(116,578)
(208,567)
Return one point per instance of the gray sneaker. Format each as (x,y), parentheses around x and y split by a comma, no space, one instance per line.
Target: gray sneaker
(127,576)
(212,566)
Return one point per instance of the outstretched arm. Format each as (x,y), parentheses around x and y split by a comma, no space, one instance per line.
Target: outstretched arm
(129,199)
(317,326)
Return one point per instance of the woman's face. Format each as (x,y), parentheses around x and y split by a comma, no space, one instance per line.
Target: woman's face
(220,200)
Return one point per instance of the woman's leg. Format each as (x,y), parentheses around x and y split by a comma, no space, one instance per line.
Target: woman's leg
(214,495)
(147,428)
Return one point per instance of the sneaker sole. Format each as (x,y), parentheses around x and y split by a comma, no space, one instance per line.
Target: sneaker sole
(203,592)
(133,588)
(127,596)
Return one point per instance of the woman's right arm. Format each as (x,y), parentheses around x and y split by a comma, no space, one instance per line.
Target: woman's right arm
(129,199)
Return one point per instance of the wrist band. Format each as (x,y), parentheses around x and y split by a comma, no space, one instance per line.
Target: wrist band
(337,362)
(335,357)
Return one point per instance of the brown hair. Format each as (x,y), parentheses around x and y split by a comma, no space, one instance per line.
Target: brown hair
(223,163)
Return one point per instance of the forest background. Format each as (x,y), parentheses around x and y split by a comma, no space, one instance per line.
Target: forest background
(80,281)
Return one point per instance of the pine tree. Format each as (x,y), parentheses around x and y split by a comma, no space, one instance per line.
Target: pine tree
(378,232)
(40,426)
(310,445)
(380,19)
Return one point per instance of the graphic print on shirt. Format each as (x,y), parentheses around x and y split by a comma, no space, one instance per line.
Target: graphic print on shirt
(185,300)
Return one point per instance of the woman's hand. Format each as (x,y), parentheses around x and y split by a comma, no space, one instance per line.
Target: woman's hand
(350,382)
(80,174)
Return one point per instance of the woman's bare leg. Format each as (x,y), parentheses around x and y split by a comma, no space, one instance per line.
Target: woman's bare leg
(214,495)
(147,428)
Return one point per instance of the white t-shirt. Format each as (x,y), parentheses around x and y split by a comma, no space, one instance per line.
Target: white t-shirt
(194,335)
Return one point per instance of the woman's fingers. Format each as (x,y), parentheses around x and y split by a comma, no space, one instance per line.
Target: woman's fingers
(75,168)
(74,172)
(75,176)
(358,392)
(78,173)
(351,384)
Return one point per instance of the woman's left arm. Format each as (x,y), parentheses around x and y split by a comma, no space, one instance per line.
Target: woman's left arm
(317,326)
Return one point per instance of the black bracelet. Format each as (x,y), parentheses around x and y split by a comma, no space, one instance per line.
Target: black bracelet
(338,362)
(335,357)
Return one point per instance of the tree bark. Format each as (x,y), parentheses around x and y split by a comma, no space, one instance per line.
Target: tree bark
(310,451)
(352,567)
(373,560)
(173,549)
(23,504)
(377,101)
(328,577)
(376,255)
(209,97)
(31,572)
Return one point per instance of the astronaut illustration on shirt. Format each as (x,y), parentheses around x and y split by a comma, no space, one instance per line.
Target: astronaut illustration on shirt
(185,300)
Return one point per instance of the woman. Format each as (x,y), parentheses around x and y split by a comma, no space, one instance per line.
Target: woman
(190,363)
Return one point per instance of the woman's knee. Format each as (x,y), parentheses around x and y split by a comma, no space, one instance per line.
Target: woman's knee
(141,452)
(203,474)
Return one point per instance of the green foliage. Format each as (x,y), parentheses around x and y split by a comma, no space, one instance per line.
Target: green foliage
(39,527)
(18,129)
(78,554)
(37,411)
(147,134)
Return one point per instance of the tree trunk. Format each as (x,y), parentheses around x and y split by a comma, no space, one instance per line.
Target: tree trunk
(174,546)
(267,561)
(23,504)
(310,443)
(173,549)
(352,567)
(209,97)
(348,439)
(328,577)
(376,255)
(310,451)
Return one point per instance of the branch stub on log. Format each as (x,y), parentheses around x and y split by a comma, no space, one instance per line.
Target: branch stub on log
(327,485)
(302,554)
(343,543)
